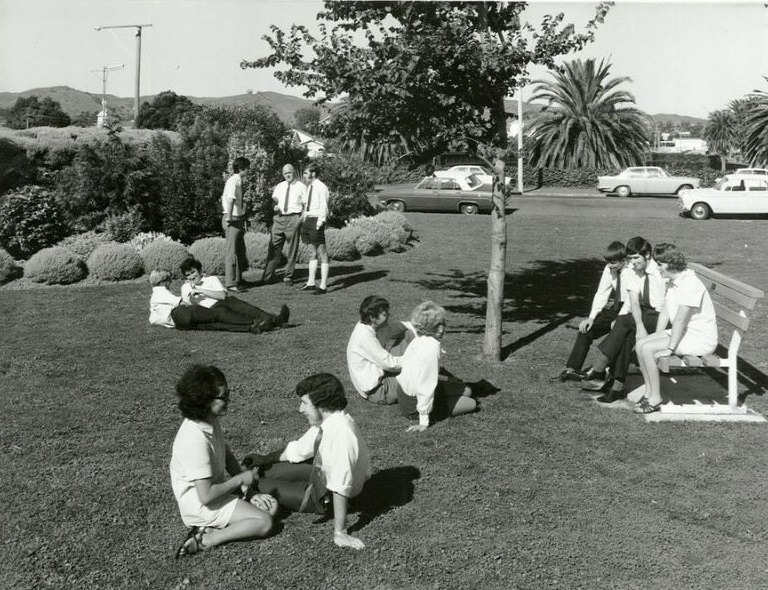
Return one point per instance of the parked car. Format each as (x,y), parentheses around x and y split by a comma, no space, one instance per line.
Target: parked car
(746,172)
(645,180)
(734,194)
(435,193)
(484,174)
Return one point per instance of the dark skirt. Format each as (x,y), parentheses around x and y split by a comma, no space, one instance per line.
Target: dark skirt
(310,234)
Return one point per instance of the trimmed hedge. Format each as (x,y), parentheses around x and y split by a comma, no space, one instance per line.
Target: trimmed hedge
(9,270)
(115,262)
(84,244)
(340,244)
(55,265)
(256,247)
(163,255)
(144,239)
(210,253)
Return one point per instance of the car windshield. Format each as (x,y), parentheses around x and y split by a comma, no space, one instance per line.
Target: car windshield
(721,183)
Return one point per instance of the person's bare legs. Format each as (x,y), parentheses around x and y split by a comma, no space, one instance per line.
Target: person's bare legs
(648,350)
(247,522)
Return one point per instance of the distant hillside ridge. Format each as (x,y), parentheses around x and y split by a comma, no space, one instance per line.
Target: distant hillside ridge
(73,101)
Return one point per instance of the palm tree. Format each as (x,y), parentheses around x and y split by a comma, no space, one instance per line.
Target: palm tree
(721,134)
(756,139)
(588,120)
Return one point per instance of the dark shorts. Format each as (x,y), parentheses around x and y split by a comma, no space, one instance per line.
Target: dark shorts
(386,392)
(447,394)
(310,234)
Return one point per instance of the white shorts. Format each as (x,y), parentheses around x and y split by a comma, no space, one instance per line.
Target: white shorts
(217,514)
(693,345)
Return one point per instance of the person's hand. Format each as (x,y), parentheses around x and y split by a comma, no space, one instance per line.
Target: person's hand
(344,539)
(585,325)
(416,428)
(256,460)
(661,353)
(246,479)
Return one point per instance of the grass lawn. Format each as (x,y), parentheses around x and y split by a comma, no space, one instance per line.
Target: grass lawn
(539,489)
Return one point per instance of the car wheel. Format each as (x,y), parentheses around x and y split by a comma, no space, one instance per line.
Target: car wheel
(469,209)
(700,211)
(685,187)
(396,206)
(623,191)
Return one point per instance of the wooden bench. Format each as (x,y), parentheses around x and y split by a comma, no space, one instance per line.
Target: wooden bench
(733,301)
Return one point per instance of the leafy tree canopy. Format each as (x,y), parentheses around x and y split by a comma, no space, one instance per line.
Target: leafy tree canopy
(166,111)
(31,112)
(421,73)
(307,119)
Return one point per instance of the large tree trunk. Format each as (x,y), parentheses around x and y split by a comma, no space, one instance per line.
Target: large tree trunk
(723,159)
(497,272)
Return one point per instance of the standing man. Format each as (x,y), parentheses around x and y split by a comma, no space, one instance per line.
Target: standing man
(233,223)
(287,198)
(313,229)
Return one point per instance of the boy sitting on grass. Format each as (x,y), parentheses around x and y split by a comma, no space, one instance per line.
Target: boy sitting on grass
(341,463)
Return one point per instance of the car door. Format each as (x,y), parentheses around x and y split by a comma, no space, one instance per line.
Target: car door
(755,196)
(655,183)
(636,180)
(447,196)
(424,194)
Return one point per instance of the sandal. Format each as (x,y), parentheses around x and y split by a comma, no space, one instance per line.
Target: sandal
(192,544)
(643,406)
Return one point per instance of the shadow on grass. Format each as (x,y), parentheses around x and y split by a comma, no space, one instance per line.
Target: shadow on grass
(363,277)
(387,489)
(549,292)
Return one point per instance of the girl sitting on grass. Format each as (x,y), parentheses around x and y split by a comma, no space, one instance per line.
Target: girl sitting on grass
(200,464)
(424,393)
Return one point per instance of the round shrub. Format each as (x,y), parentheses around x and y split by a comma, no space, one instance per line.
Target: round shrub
(55,265)
(115,262)
(340,244)
(144,239)
(30,219)
(394,218)
(9,270)
(163,255)
(210,253)
(256,249)
(85,243)
(366,243)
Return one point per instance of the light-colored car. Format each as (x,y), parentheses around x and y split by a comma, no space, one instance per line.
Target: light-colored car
(746,172)
(733,195)
(435,193)
(645,180)
(481,172)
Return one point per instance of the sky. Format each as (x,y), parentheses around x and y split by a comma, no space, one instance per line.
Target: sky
(686,58)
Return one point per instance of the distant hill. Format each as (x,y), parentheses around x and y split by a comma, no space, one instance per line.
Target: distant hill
(677,120)
(73,102)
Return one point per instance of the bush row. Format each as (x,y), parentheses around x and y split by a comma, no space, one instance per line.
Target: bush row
(93,254)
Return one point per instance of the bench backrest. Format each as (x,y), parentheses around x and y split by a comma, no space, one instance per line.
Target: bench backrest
(739,296)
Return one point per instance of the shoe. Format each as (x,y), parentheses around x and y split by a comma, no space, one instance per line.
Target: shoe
(590,374)
(283,316)
(307,288)
(319,291)
(603,385)
(568,375)
(234,289)
(288,280)
(612,396)
(256,328)
(643,406)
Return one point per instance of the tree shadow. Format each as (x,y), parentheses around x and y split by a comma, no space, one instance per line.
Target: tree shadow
(387,489)
(363,277)
(548,292)
(483,388)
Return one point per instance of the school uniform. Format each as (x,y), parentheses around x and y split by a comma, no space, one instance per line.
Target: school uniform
(700,334)
(315,213)
(371,368)
(235,260)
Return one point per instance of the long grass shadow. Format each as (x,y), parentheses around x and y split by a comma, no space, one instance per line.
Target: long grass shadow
(387,489)
(548,292)
(363,277)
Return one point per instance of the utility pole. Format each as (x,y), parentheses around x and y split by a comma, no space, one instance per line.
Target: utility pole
(104,72)
(519,141)
(138,61)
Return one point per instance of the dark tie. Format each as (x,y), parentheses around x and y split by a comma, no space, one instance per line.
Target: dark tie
(285,201)
(646,300)
(315,477)
(309,199)
(617,294)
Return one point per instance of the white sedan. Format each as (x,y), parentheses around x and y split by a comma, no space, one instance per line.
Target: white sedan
(484,175)
(733,195)
(645,180)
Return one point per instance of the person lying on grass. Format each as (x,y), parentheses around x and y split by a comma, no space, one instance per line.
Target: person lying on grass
(688,306)
(340,465)
(207,291)
(205,476)
(424,392)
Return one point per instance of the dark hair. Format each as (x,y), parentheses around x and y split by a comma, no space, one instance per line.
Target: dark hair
(313,167)
(190,264)
(638,245)
(671,256)
(240,164)
(371,308)
(196,388)
(324,390)
(615,252)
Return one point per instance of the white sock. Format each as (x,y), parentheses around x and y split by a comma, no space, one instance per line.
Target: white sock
(324,269)
(312,270)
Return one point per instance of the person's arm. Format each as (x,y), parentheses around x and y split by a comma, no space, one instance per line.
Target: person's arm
(340,535)
(230,194)
(603,292)
(662,320)
(425,388)
(322,213)
(372,350)
(637,315)
(208,492)
(213,289)
(684,313)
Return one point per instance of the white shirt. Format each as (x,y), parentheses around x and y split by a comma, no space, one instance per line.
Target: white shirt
(657,285)
(199,452)
(346,463)
(303,448)
(367,359)
(418,377)
(233,193)
(161,303)
(687,289)
(210,283)
(296,198)
(319,205)
(606,285)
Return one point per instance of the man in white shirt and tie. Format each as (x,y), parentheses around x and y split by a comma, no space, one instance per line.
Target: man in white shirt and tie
(288,198)
(313,229)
